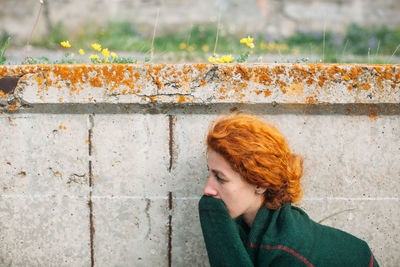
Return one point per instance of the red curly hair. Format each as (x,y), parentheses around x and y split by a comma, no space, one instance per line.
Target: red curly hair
(261,155)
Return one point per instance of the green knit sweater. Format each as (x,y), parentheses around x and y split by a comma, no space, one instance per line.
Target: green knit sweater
(283,237)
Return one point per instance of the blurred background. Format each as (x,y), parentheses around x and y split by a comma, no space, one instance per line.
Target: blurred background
(333,31)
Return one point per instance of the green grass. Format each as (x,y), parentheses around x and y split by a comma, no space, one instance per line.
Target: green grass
(371,43)
(368,44)
(3,49)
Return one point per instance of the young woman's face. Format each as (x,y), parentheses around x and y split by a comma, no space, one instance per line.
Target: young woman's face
(224,183)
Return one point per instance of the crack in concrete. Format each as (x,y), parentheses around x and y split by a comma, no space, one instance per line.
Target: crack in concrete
(171,120)
(77,178)
(211,75)
(173,85)
(90,203)
(156,82)
(148,203)
(334,214)
(170,206)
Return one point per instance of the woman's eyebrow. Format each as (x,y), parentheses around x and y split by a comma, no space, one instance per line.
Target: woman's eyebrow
(215,171)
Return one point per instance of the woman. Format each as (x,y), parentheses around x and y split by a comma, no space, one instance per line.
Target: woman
(246,214)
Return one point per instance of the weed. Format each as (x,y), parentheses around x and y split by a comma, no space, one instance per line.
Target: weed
(40,60)
(3,49)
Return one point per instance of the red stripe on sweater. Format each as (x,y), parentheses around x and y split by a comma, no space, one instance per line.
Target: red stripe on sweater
(291,251)
(371,263)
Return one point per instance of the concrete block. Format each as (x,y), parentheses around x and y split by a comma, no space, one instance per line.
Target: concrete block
(44,154)
(44,231)
(189,174)
(130,155)
(345,156)
(375,221)
(188,248)
(130,231)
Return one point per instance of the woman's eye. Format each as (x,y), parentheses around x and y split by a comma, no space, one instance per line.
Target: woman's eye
(219,179)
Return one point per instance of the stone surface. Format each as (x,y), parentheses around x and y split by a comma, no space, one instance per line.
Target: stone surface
(188,248)
(189,174)
(202,84)
(130,232)
(345,156)
(39,231)
(44,154)
(130,155)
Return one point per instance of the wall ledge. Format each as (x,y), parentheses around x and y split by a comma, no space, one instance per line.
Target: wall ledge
(200,84)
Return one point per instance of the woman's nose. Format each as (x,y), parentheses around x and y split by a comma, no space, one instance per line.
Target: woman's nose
(209,189)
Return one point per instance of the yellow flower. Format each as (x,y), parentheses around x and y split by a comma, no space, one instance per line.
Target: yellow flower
(212,59)
(227,58)
(114,55)
(65,44)
(220,60)
(96,47)
(182,46)
(191,48)
(81,52)
(94,57)
(248,41)
(205,48)
(105,52)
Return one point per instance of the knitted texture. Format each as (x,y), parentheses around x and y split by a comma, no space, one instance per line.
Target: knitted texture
(283,237)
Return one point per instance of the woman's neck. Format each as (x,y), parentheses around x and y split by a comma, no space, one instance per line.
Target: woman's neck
(251,213)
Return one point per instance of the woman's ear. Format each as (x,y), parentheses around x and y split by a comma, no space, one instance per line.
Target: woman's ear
(260,190)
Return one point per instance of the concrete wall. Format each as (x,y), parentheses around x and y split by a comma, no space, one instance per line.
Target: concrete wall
(103,165)
(271,17)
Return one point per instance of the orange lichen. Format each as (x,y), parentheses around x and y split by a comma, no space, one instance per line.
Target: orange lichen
(309,81)
(295,89)
(312,99)
(322,80)
(243,72)
(267,93)
(388,75)
(14,106)
(353,73)
(373,113)
(366,86)
(126,79)
(183,99)
(279,70)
